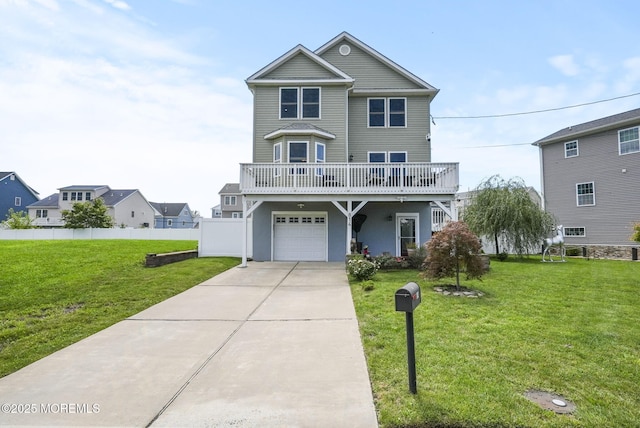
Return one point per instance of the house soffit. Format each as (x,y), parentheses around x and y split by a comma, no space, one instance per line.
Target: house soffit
(300,129)
(348,38)
(260,76)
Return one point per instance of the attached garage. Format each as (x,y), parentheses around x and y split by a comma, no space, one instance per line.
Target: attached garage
(300,236)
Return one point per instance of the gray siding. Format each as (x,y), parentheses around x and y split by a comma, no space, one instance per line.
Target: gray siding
(411,139)
(266,120)
(367,70)
(617,193)
(300,67)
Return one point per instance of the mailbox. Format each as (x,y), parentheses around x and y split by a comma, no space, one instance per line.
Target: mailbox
(408,297)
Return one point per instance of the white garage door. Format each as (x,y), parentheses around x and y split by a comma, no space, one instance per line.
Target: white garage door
(300,237)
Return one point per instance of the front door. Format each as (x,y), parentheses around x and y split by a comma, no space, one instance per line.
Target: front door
(407,231)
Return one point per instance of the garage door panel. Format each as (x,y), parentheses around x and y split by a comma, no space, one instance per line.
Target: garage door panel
(300,237)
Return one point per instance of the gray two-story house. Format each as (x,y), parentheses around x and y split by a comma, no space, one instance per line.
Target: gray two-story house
(590,182)
(341,156)
(230,201)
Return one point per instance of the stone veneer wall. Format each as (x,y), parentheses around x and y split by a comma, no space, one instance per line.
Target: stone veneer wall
(621,252)
(155,260)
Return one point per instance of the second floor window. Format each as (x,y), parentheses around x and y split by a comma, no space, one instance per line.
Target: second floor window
(17,201)
(229,200)
(387,112)
(42,213)
(299,103)
(585,194)
(571,149)
(629,141)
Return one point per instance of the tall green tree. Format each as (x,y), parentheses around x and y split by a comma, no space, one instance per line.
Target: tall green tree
(504,211)
(18,220)
(89,214)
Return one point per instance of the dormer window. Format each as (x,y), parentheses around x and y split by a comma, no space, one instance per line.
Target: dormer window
(299,103)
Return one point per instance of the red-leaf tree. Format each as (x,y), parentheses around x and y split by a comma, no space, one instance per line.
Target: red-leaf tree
(450,250)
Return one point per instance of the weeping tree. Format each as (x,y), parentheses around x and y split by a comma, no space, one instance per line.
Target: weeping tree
(504,211)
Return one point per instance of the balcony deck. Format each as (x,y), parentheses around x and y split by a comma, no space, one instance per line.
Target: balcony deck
(349,178)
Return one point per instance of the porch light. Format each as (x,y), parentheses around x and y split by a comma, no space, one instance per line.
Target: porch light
(389,217)
(301,205)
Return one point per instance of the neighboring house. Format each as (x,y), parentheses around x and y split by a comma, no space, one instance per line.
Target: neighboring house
(590,180)
(15,194)
(216,212)
(231,201)
(341,150)
(127,207)
(173,216)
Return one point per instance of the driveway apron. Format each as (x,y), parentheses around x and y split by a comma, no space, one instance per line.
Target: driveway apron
(269,345)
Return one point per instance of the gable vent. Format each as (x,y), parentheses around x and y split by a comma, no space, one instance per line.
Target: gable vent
(344,50)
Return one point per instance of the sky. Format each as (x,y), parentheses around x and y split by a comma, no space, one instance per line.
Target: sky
(151,94)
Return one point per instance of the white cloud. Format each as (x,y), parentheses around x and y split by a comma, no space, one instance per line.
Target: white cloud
(118,4)
(118,106)
(565,64)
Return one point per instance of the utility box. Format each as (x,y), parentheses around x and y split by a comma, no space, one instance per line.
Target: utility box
(408,297)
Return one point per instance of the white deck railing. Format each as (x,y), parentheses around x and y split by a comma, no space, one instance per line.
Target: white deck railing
(340,178)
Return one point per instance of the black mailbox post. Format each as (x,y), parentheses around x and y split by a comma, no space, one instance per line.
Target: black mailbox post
(407,299)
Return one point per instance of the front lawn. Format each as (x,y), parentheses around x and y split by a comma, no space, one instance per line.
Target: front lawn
(54,293)
(572,329)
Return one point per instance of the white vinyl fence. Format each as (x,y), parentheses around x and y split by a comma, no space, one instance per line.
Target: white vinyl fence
(216,237)
(149,234)
(223,237)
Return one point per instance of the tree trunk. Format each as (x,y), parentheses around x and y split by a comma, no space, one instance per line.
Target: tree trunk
(495,235)
(457,274)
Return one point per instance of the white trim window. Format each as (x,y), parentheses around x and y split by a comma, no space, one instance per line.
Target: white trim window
(571,149)
(629,141)
(387,112)
(17,201)
(321,152)
(277,158)
(575,231)
(585,194)
(42,213)
(236,215)
(230,200)
(298,152)
(299,103)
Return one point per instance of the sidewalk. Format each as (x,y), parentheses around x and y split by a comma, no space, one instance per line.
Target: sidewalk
(270,345)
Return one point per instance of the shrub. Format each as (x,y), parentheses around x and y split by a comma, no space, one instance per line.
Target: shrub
(362,269)
(503,256)
(450,250)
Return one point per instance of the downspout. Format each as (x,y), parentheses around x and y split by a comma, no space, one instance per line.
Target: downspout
(349,231)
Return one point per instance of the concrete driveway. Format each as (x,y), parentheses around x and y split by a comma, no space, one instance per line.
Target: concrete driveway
(270,345)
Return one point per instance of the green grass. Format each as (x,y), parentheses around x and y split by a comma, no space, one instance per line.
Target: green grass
(569,328)
(54,293)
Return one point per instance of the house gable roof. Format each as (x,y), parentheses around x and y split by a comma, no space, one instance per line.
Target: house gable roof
(628,118)
(50,201)
(114,196)
(168,209)
(7,175)
(348,38)
(262,76)
(230,189)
